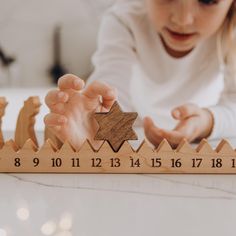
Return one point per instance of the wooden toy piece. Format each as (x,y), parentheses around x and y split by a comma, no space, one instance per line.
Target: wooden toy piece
(182,160)
(26,120)
(3,104)
(115,126)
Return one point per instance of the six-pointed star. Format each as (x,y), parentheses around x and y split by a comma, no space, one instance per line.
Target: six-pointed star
(115,126)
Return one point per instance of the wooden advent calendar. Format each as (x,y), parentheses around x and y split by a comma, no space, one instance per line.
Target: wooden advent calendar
(116,155)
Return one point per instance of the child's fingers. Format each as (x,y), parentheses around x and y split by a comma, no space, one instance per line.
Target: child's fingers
(188,128)
(173,137)
(59,108)
(53,119)
(98,89)
(185,111)
(148,123)
(155,135)
(55,96)
(152,132)
(70,81)
(107,102)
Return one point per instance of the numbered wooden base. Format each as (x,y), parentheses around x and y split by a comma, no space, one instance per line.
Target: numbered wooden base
(24,156)
(184,159)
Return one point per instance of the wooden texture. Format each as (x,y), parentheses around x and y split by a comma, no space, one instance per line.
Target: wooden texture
(115,126)
(24,155)
(3,104)
(183,160)
(26,120)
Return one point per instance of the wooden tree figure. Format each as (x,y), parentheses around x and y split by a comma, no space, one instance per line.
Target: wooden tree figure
(115,126)
(26,120)
(3,104)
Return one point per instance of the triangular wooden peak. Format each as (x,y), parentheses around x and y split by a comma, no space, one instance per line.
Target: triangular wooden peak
(66,149)
(224,147)
(29,145)
(10,146)
(87,147)
(204,147)
(185,147)
(145,147)
(49,145)
(106,147)
(164,146)
(126,148)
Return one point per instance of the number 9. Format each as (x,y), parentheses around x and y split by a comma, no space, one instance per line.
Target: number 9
(36,162)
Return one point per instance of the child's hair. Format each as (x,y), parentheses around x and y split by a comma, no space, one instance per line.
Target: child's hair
(227,41)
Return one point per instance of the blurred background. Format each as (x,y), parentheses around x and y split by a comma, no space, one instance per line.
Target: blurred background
(40,39)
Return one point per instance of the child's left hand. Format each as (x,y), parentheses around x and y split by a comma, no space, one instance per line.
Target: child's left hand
(194,123)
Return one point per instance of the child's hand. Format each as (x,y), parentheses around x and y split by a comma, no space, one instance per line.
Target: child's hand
(194,123)
(72,107)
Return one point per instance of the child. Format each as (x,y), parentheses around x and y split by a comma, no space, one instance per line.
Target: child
(163,58)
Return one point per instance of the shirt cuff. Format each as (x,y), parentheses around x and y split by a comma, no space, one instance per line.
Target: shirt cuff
(223,122)
(214,111)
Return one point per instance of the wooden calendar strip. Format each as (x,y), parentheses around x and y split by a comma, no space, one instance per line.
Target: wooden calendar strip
(23,155)
(184,159)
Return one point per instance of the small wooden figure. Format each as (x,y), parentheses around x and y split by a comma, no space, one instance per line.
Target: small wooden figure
(3,104)
(26,120)
(115,126)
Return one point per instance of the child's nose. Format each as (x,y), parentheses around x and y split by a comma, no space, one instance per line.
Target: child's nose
(183,13)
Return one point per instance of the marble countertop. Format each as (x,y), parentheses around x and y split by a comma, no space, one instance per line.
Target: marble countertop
(104,205)
(114,205)
(117,204)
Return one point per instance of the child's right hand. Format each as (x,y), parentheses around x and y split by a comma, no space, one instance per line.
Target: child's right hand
(72,107)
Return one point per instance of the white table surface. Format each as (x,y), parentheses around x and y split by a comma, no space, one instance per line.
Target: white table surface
(117,205)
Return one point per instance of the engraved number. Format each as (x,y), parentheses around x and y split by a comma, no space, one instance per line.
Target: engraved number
(134,163)
(56,162)
(96,162)
(196,162)
(115,162)
(75,162)
(156,162)
(233,163)
(36,162)
(176,163)
(17,162)
(216,163)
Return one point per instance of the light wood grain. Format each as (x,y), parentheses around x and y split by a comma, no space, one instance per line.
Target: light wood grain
(3,104)
(24,155)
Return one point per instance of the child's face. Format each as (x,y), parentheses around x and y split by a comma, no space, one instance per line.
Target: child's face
(183,23)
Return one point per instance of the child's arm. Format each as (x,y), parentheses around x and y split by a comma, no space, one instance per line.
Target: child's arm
(225,111)
(115,56)
(72,107)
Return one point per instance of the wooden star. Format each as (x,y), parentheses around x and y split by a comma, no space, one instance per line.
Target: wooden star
(115,126)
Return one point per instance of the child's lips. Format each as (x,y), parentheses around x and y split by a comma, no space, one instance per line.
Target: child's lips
(179,36)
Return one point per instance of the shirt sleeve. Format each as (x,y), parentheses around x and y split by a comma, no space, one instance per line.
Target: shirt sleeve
(224,112)
(115,57)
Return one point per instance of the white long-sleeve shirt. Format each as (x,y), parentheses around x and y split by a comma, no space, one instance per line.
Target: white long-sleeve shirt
(131,57)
